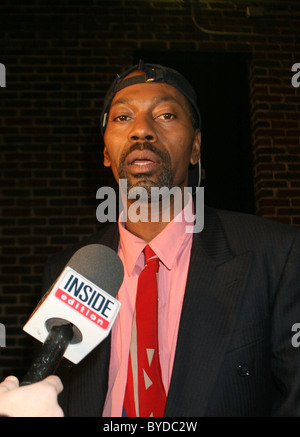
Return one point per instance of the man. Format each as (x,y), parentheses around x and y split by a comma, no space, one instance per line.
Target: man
(228,296)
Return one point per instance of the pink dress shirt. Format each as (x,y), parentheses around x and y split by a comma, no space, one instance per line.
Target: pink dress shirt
(173,247)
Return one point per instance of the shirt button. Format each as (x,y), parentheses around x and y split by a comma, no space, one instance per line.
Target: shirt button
(243,369)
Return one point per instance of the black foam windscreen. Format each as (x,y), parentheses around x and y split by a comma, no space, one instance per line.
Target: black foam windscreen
(99,264)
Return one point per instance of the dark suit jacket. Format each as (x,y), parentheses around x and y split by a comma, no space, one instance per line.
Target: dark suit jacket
(234,355)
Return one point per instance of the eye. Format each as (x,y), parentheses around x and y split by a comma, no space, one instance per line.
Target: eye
(121,118)
(166,116)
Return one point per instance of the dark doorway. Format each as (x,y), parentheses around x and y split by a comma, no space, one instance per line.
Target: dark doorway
(221,83)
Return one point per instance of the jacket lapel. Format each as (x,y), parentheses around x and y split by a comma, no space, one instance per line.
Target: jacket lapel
(215,283)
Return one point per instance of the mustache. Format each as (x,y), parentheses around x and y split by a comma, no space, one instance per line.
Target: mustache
(145,145)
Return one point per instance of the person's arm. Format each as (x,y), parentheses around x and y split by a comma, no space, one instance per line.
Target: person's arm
(35,400)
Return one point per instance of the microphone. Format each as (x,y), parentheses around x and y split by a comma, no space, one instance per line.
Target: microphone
(78,310)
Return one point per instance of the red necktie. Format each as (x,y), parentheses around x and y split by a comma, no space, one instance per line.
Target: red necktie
(145,394)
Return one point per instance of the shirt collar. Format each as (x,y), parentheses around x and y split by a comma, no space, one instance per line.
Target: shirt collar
(167,244)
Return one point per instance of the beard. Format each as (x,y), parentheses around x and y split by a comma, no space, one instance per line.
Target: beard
(158,178)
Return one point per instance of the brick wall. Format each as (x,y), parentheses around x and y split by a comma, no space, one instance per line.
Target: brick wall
(60,58)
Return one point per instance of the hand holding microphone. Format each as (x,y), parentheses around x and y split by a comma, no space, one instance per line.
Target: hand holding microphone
(36,400)
(77,312)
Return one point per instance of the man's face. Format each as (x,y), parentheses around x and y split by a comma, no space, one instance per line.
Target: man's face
(149,138)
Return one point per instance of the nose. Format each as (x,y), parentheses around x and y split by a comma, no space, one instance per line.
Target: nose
(142,129)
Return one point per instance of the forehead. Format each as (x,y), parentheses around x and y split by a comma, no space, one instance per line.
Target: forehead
(149,93)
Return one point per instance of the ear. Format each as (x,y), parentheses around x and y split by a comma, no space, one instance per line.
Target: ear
(106,158)
(195,155)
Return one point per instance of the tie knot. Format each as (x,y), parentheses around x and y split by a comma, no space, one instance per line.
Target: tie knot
(150,255)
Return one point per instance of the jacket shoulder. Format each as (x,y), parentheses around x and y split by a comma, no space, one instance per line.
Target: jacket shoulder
(108,236)
(251,232)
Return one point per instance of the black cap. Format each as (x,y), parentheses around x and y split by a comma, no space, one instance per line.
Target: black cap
(160,74)
(153,73)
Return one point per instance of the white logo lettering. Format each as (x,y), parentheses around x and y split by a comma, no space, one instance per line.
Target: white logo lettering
(162,202)
(296,78)
(2,76)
